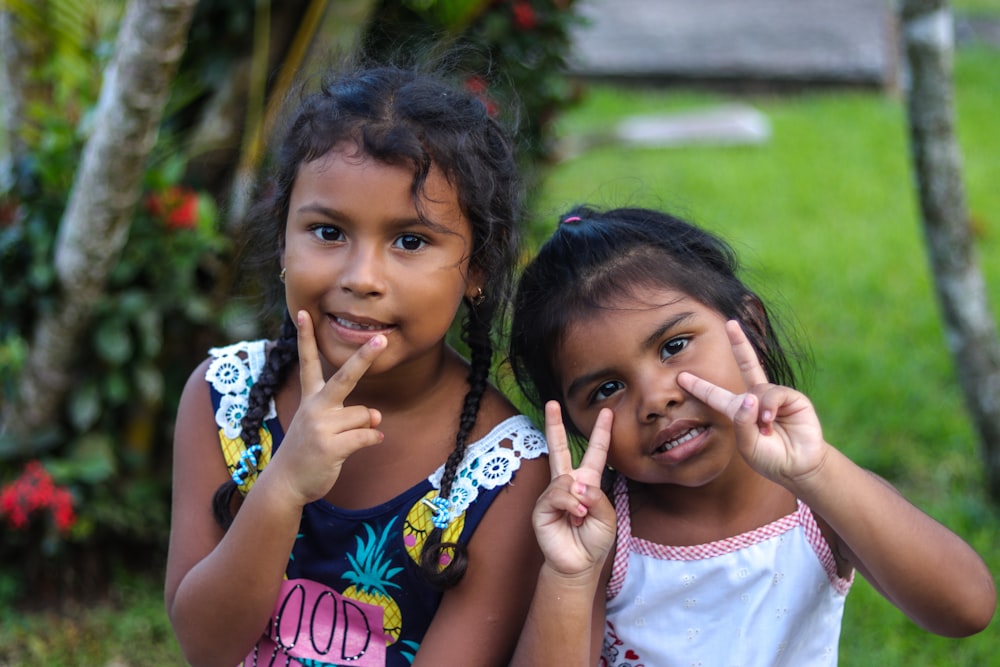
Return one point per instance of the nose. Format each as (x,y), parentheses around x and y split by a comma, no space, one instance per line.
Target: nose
(364,272)
(660,394)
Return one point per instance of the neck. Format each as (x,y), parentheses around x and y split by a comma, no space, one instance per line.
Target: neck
(719,509)
(414,383)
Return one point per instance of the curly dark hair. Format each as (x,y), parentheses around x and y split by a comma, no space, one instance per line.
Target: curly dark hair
(401,117)
(597,255)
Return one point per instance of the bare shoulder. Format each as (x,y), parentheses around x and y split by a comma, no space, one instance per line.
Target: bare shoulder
(199,469)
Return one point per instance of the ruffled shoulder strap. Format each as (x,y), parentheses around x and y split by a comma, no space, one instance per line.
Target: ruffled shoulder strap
(231,373)
(488,464)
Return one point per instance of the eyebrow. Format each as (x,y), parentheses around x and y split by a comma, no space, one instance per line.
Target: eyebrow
(334,214)
(650,341)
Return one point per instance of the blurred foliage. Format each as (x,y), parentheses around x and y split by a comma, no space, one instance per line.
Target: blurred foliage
(160,311)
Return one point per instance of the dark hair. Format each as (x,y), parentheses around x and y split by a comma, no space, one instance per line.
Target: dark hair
(403,117)
(595,256)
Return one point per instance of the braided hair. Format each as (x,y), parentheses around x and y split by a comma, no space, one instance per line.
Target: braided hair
(417,119)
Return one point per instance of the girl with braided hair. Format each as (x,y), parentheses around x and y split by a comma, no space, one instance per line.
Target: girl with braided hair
(345,493)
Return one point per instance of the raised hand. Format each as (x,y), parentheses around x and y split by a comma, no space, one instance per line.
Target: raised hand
(777,429)
(324,432)
(573,519)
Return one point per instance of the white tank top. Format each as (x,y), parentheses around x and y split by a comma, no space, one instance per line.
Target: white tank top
(771,596)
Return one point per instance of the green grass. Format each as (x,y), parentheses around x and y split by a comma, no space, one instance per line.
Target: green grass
(128,629)
(825,218)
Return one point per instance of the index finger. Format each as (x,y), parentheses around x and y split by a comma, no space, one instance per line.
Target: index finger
(560,460)
(596,455)
(342,383)
(745,355)
(310,370)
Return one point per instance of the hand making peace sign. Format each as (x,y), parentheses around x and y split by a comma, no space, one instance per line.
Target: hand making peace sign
(777,429)
(573,519)
(324,432)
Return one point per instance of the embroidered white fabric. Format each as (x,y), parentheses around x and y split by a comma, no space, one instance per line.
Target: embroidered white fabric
(486,464)
(232,372)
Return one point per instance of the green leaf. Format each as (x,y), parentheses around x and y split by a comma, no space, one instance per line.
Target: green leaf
(84,406)
(114,342)
(150,325)
(117,388)
(90,459)
(149,382)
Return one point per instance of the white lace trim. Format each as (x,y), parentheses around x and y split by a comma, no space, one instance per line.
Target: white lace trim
(232,372)
(486,465)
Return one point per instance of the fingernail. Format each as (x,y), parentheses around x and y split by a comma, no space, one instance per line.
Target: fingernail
(377,341)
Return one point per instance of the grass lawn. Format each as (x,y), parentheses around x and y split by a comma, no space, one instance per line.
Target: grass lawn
(824,216)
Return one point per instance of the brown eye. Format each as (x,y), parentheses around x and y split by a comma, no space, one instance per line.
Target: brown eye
(606,390)
(410,242)
(327,233)
(673,346)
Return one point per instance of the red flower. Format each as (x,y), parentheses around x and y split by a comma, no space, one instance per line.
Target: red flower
(32,492)
(177,206)
(477,86)
(524,15)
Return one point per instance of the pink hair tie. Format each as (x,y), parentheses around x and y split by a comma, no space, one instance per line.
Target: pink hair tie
(573,218)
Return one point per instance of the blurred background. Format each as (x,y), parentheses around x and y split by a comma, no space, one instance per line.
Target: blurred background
(784,125)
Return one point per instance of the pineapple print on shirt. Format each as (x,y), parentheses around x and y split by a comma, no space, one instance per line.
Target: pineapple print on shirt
(371,578)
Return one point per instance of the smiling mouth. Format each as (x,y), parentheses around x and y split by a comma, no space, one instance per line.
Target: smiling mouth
(359,326)
(680,440)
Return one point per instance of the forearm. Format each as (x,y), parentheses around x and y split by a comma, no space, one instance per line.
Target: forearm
(921,566)
(223,603)
(559,627)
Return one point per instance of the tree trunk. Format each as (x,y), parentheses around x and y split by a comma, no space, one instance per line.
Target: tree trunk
(969,325)
(108,183)
(13,65)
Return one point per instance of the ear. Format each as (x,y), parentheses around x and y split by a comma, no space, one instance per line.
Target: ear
(754,316)
(475,286)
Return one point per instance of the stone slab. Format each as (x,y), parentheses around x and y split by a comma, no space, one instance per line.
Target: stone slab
(851,41)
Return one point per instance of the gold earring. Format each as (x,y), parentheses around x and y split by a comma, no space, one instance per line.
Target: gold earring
(281,276)
(479,297)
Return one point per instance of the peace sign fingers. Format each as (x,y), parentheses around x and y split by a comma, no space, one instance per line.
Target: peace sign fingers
(560,460)
(347,376)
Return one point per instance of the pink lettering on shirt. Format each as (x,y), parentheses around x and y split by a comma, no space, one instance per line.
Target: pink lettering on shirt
(314,622)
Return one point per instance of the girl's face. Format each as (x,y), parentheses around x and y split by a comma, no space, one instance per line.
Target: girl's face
(627,358)
(359,259)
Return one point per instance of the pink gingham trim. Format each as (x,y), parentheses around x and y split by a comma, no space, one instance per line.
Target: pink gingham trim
(802,516)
